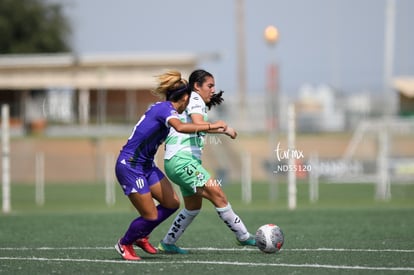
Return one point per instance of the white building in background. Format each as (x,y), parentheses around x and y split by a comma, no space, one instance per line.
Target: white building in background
(359,103)
(318,109)
(357,107)
(87,90)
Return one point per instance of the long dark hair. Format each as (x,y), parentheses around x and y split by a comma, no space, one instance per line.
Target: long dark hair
(199,76)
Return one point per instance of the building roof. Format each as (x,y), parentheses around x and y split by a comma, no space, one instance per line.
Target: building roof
(404,85)
(94,71)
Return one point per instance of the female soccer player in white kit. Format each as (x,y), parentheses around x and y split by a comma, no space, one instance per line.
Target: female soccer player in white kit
(182,163)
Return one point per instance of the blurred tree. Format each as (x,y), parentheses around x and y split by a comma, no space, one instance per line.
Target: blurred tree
(32,26)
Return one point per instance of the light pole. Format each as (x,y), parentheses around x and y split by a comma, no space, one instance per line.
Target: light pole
(241,60)
(271,36)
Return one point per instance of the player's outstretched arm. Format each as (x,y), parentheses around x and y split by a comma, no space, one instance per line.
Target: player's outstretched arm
(198,119)
(193,128)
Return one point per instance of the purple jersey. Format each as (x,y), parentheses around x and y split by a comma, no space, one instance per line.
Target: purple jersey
(148,134)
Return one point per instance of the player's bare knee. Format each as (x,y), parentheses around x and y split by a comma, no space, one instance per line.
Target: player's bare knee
(217,197)
(173,203)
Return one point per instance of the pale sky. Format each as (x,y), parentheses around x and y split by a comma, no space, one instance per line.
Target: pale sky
(335,42)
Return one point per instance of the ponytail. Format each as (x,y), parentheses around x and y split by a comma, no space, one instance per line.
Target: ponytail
(171,86)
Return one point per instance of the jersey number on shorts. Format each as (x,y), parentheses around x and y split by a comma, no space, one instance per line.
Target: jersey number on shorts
(190,169)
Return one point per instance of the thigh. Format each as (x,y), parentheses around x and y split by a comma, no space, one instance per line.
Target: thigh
(131,180)
(164,193)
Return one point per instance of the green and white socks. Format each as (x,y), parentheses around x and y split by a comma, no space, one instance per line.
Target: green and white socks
(185,217)
(233,222)
(180,224)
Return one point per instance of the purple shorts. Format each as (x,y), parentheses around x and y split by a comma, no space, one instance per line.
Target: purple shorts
(138,179)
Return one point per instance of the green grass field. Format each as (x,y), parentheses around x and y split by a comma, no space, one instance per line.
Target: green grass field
(345,232)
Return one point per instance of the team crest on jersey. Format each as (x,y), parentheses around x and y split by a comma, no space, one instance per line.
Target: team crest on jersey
(200,176)
(174,112)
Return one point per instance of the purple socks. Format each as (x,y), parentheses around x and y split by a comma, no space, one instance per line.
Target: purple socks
(141,227)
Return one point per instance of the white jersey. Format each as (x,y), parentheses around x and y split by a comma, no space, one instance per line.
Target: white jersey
(177,143)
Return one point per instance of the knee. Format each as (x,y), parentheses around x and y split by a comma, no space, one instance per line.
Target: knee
(193,204)
(220,196)
(221,201)
(174,203)
(217,197)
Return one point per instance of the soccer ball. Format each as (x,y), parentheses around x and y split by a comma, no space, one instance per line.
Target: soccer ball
(269,238)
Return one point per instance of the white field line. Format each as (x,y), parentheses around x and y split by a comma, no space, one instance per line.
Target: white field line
(321,249)
(356,267)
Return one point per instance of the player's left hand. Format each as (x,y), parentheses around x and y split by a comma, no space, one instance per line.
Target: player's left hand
(231,132)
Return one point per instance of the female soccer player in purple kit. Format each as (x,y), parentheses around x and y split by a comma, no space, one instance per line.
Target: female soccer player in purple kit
(136,172)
